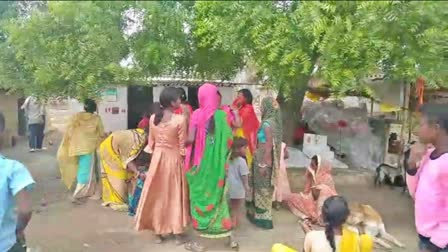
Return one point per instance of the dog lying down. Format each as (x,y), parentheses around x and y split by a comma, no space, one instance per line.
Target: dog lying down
(367,220)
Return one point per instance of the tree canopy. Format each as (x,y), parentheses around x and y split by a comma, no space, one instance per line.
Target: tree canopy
(346,39)
(75,48)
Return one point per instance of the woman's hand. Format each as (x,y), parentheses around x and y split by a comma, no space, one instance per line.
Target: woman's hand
(286,153)
(263,169)
(142,176)
(417,152)
(315,191)
(267,160)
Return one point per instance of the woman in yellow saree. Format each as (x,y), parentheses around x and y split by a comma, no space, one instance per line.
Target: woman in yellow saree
(119,166)
(77,157)
(336,237)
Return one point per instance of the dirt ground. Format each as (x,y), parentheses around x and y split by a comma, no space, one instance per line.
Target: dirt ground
(58,226)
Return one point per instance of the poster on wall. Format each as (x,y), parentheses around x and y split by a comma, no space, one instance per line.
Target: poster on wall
(110,95)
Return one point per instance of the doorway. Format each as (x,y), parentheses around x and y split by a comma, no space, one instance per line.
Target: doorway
(140,99)
(193,97)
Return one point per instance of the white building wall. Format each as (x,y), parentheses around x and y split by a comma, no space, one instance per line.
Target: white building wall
(59,114)
(228,93)
(115,113)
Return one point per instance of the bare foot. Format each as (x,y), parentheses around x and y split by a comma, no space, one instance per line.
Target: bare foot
(180,239)
(233,243)
(76,201)
(277,206)
(158,239)
(194,246)
(306,225)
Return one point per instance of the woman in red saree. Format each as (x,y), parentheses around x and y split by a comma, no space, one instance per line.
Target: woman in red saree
(319,186)
(249,120)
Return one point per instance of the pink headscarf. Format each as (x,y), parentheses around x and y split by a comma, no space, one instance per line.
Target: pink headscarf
(208,103)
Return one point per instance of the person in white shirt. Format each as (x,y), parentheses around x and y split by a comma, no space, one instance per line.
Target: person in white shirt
(34,111)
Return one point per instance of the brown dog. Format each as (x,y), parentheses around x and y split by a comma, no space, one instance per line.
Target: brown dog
(368,221)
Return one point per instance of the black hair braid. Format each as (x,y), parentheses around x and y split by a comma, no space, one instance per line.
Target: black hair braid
(329,233)
(334,212)
(168,95)
(158,117)
(182,94)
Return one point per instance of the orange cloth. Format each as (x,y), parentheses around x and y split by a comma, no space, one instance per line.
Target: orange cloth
(164,204)
(303,204)
(282,189)
(250,122)
(420,89)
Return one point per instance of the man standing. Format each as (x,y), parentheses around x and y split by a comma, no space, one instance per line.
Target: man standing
(34,112)
(15,201)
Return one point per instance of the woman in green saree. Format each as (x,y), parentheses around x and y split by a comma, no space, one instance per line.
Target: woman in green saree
(210,139)
(266,164)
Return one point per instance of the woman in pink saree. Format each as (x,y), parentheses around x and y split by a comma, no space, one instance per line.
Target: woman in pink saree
(319,186)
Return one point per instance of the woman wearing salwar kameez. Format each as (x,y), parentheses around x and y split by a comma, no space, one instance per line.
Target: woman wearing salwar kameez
(163,207)
(77,157)
(266,165)
(119,166)
(206,161)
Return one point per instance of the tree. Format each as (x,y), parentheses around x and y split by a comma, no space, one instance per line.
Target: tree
(75,48)
(347,40)
(166,44)
(13,76)
(72,49)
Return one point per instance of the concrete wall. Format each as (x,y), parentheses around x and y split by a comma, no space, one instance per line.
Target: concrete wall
(115,121)
(228,93)
(59,113)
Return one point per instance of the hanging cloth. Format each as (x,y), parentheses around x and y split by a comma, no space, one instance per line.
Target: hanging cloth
(420,88)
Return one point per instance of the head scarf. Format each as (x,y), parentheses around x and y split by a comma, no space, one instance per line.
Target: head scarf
(250,121)
(208,103)
(270,114)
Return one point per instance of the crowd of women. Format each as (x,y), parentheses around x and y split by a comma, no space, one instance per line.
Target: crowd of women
(183,167)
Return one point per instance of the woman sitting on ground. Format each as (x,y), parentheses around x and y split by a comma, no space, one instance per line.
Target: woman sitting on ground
(336,237)
(319,186)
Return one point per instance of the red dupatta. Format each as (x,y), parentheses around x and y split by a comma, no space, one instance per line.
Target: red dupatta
(250,122)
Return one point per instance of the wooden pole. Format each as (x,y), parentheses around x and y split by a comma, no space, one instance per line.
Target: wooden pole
(405,110)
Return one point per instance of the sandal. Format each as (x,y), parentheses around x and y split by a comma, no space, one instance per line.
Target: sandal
(194,246)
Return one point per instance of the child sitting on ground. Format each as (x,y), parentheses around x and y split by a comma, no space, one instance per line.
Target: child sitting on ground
(237,178)
(336,237)
(427,179)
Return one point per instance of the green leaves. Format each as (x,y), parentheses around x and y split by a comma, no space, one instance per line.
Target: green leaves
(69,49)
(75,48)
